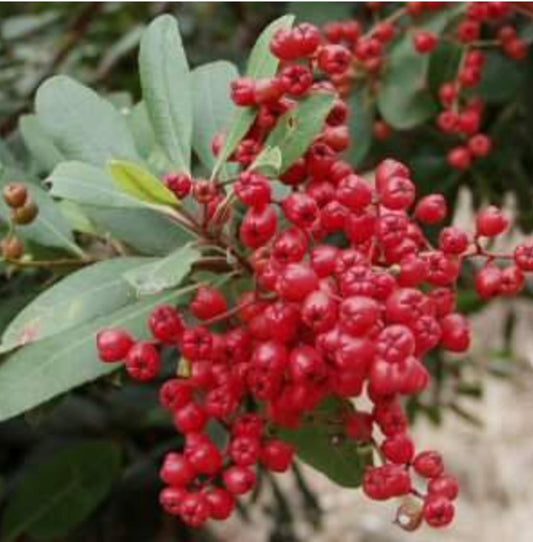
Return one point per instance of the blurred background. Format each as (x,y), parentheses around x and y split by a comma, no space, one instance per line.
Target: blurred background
(478,411)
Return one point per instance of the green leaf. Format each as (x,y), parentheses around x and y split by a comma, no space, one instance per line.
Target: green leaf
(501,78)
(296,129)
(320,13)
(49,227)
(444,64)
(82,125)
(212,105)
(141,129)
(80,297)
(404,99)
(262,63)
(322,444)
(140,183)
(166,273)
(84,183)
(56,495)
(39,143)
(361,122)
(75,216)
(268,162)
(165,82)
(38,372)
(144,230)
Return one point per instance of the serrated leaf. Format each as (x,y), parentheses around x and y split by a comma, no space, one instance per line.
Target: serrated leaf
(212,105)
(360,123)
(296,129)
(38,372)
(138,182)
(82,125)
(165,83)
(323,445)
(39,143)
(404,99)
(49,227)
(261,63)
(87,184)
(80,297)
(75,480)
(269,161)
(166,273)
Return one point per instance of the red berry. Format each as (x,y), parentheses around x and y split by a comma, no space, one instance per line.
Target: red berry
(195,509)
(358,314)
(438,511)
(480,145)
(425,41)
(489,281)
(452,240)
(398,449)
(334,59)
(143,361)
(444,486)
(296,282)
(179,183)
(175,394)
(113,344)
(208,303)
(428,464)
(359,426)
(239,480)
(455,332)
(221,502)
(397,193)
(277,455)
(253,189)
(242,91)
(431,209)
(176,470)
(258,226)
(523,256)
(244,450)
(491,222)
(460,158)
(296,78)
(190,418)
(166,324)
(171,498)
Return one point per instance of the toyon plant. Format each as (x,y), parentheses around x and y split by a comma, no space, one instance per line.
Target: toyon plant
(285,304)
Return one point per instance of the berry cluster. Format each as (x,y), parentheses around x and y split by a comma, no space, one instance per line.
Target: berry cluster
(348,55)
(23,212)
(322,320)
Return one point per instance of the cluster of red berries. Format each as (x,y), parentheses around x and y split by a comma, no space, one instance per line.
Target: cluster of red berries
(348,55)
(322,320)
(463,109)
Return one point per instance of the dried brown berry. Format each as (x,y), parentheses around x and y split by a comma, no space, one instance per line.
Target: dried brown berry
(12,248)
(15,194)
(25,214)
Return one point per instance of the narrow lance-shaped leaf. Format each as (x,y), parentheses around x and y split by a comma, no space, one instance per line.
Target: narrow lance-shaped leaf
(262,63)
(166,273)
(75,480)
(140,183)
(361,120)
(166,87)
(80,297)
(41,371)
(83,126)
(297,128)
